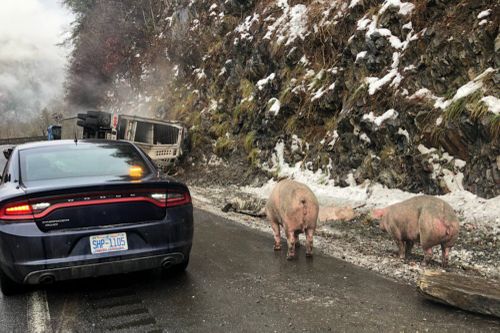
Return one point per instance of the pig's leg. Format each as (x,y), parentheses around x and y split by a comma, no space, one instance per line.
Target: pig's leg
(409,246)
(427,256)
(290,237)
(297,241)
(276,231)
(401,248)
(445,252)
(309,242)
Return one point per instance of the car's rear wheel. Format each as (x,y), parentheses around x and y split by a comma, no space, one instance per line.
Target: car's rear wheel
(8,286)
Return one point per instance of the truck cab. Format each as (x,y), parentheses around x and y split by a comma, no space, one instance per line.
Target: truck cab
(54,132)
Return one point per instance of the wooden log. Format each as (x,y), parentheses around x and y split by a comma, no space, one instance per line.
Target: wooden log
(465,292)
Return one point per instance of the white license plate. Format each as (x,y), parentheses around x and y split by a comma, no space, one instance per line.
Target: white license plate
(108,243)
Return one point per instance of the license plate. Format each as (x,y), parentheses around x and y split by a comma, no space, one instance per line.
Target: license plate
(108,243)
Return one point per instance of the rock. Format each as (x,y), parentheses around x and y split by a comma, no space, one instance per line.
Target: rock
(247,206)
(333,213)
(293,56)
(467,293)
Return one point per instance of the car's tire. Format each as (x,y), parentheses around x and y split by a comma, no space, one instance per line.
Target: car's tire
(8,286)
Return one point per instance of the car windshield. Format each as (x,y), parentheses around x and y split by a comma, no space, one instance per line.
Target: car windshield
(82,160)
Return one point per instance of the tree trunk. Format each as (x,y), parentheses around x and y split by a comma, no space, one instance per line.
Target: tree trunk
(465,292)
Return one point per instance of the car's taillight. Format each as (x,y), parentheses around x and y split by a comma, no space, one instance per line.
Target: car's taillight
(16,211)
(171,199)
(19,210)
(22,210)
(40,207)
(178,199)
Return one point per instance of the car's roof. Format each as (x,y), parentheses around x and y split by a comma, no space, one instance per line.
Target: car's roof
(56,143)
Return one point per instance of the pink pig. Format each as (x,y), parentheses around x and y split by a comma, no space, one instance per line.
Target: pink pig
(295,207)
(424,219)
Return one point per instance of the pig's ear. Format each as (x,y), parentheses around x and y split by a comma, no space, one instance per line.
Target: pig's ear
(378,213)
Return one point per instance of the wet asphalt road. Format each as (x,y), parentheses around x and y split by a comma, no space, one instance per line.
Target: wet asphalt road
(236,283)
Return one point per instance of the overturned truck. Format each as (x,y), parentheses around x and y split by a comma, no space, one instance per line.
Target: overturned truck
(164,141)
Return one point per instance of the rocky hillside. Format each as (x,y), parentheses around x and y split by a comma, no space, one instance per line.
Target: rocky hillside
(405,94)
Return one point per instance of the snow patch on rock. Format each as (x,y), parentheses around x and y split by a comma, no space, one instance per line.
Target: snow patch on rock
(389,114)
(483,14)
(265,81)
(492,103)
(275,106)
(292,24)
(405,8)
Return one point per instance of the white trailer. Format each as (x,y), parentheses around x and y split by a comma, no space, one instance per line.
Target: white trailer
(162,140)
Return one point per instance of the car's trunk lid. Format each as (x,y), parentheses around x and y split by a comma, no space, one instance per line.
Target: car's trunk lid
(102,205)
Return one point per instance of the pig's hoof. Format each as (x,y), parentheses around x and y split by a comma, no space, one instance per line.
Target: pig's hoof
(297,245)
(277,247)
(309,254)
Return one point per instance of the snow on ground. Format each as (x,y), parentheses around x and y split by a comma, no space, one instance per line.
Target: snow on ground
(470,207)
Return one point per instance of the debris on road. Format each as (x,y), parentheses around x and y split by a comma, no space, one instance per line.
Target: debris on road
(248,206)
(336,213)
(465,292)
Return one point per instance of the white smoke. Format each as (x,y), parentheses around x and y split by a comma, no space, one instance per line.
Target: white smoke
(32,65)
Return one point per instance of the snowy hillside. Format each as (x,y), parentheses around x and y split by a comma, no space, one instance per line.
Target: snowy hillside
(400,93)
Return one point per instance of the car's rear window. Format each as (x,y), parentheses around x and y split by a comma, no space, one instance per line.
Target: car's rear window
(82,160)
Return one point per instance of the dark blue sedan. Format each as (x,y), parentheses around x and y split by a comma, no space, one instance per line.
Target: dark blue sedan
(88,208)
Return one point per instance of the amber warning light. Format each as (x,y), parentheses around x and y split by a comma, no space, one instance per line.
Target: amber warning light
(135,172)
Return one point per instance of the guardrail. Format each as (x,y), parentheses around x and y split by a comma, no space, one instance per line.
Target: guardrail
(17,141)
